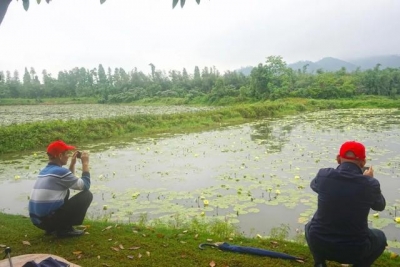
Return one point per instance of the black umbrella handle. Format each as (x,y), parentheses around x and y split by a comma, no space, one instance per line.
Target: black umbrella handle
(7,251)
(215,245)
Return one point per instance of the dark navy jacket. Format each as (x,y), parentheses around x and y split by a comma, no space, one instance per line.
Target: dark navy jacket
(345,197)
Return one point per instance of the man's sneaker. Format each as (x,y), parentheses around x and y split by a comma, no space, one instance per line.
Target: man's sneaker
(70,232)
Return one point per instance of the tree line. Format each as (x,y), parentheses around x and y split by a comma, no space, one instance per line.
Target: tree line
(270,80)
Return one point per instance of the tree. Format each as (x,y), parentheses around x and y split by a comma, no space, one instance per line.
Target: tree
(32,72)
(5,3)
(3,88)
(109,76)
(153,69)
(102,75)
(259,82)
(268,79)
(27,78)
(14,84)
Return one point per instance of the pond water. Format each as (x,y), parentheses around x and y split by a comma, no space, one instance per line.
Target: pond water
(255,175)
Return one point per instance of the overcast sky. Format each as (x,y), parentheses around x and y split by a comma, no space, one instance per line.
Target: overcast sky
(227,34)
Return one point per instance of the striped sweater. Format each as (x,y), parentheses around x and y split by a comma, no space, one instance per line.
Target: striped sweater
(51,188)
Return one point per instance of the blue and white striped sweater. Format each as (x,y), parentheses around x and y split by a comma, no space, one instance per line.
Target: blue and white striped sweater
(50,189)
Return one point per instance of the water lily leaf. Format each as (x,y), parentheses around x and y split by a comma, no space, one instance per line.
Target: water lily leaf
(393,244)
(379,223)
(253,210)
(303,220)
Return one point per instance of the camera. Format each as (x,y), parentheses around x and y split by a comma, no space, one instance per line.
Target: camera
(78,154)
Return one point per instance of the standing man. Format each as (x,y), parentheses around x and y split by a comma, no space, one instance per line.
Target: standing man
(50,207)
(339,229)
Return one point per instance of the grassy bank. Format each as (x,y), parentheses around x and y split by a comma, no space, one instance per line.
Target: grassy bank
(32,136)
(140,245)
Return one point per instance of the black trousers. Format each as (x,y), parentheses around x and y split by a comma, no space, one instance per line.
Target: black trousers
(358,256)
(71,213)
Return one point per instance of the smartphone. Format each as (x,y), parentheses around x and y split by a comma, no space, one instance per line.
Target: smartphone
(78,154)
(365,168)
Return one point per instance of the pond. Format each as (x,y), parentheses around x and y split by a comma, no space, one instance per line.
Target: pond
(255,175)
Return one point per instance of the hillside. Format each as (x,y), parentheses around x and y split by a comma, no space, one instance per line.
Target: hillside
(335,64)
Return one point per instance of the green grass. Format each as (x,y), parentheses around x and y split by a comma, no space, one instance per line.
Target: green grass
(111,244)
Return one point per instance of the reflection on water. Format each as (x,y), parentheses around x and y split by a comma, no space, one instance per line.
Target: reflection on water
(271,135)
(255,175)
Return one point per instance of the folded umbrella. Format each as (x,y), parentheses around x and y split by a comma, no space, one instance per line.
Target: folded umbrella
(251,250)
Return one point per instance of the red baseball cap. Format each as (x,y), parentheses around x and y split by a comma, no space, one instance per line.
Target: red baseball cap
(57,147)
(357,148)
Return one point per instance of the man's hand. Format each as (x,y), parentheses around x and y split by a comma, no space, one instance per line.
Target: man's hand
(369,172)
(73,162)
(85,161)
(73,158)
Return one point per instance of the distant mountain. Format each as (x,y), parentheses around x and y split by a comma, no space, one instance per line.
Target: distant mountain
(311,66)
(245,70)
(334,64)
(391,61)
(326,64)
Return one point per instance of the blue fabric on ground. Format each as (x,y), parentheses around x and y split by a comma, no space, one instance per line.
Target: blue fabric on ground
(49,262)
(256,251)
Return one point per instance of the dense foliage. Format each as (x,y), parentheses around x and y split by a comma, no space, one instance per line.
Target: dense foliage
(271,80)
